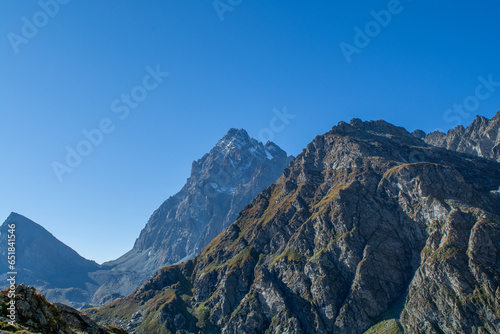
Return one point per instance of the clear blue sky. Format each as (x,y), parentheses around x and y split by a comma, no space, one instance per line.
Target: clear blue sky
(226,73)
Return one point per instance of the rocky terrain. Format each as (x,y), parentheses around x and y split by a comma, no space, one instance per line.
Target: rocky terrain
(222,182)
(44,261)
(369,229)
(36,315)
(481,138)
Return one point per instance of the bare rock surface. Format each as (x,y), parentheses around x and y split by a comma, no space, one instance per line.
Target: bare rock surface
(35,315)
(481,138)
(368,229)
(222,182)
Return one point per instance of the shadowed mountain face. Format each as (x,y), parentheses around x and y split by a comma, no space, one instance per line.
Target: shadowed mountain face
(222,182)
(481,138)
(368,228)
(46,262)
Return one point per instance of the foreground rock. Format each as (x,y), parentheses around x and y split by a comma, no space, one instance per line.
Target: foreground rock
(35,314)
(369,228)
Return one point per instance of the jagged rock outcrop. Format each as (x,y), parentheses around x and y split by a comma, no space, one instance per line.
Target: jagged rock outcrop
(222,182)
(369,228)
(44,261)
(33,314)
(481,138)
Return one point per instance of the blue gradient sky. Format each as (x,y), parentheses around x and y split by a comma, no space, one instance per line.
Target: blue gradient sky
(222,74)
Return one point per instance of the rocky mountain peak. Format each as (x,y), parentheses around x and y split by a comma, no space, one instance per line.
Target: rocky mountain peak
(20,220)
(233,156)
(481,138)
(14,215)
(275,150)
(239,140)
(222,182)
(419,134)
(46,262)
(236,139)
(357,128)
(34,242)
(369,228)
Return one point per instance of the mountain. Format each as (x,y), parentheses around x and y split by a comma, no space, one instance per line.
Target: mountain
(222,182)
(35,315)
(481,138)
(368,229)
(42,260)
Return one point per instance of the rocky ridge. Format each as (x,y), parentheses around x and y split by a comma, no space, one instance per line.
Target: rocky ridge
(222,182)
(35,315)
(481,138)
(368,229)
(43,261)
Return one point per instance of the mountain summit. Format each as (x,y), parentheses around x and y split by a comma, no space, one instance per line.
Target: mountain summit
(369,228)
(222,182)
(44,261)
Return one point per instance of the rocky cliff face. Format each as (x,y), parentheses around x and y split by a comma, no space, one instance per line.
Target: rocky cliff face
(42,260)
(481,138)
(368,229)
(222,182)
(35,315)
